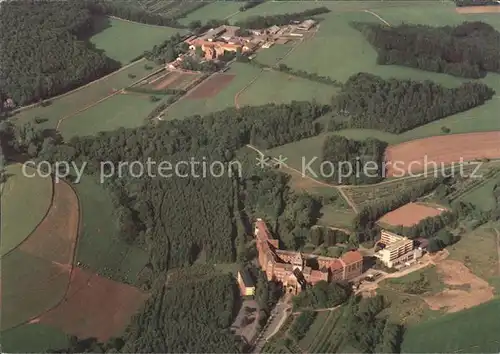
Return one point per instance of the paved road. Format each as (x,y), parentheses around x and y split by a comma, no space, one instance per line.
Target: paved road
(276,320)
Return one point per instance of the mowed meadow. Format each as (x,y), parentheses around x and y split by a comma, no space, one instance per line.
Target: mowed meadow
(124,40)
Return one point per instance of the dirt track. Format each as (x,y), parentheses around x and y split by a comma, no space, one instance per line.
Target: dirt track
(409,214)
(413,156)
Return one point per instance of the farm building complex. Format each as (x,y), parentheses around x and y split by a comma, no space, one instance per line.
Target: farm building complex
(295,270)
(216,41)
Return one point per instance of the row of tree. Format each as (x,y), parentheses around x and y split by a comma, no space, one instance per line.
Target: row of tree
(396,105)
(468,50)
(260,22)
(461,3)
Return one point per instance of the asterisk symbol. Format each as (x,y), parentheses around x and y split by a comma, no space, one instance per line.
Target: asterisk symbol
(281,161)
(262,161)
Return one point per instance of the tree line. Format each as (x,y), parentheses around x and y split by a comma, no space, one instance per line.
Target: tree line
(260,22)
(396,105)
(67,60)
(470,49)
(352,161)
(122,10)
(461,3)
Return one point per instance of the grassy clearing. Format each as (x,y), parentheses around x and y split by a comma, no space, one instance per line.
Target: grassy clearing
(77,100)
(269,56)
(33,338)
(482,195)
(477,250)
(277,87)
(21,212)
(433,282)
(215,10)
(128,111)
(99,247)
(472,331)
(30,286)
(224,99)
(124,40)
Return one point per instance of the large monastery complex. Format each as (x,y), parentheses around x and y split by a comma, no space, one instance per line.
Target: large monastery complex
(295,270)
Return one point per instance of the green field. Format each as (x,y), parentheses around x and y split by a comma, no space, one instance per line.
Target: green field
(21,212)
(224,99)
(128,111)
(277,87)
(125,41)
(75,101)
(30,286)
(470,331)
(215,10)
(477,250)
(269,56)
(33,338)
(357,55)
(99,248)
(482,195)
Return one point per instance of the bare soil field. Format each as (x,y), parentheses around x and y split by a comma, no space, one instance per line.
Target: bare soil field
(94,307)
(55,238)
(410,214)
(478,9)
(464,289)
(425,154)
(211,87)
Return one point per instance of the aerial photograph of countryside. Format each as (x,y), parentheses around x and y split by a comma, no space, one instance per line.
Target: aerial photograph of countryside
(250,176)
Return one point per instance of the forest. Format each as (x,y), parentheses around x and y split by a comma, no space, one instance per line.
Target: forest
(29,74)
(136,14)
(460,3)
(349,161)
(259,22)
(396,105)
(467,50)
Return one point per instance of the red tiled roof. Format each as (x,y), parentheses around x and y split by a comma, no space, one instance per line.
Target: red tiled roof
(336,265)
(352,257)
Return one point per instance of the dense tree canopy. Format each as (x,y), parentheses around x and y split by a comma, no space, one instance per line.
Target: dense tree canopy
(468,50)
(42,52)
(351,161)
(260,22)
(398,105)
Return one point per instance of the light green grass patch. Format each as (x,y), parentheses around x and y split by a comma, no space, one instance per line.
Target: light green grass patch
(470,331)
(186,107)
(269,56)
(33,338)
(423,13)
(482,195)
(277,87)
(75,101)
(99,247)
(24,203)
(30,286)
(477,250)
(121,110)
(216,10)
(125,40)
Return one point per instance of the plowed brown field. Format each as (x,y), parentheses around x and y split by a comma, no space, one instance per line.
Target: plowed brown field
(410,214)
(211,87)
(423,155)
(478,9)
(94,307)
